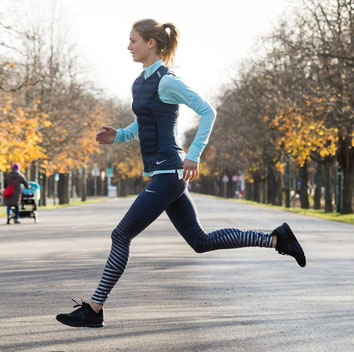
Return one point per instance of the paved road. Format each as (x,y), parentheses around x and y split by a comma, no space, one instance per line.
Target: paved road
(170,298)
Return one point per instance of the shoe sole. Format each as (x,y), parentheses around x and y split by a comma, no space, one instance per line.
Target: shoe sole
(81,325)
(302,261)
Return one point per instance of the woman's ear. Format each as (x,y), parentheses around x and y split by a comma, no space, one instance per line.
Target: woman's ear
(152,43)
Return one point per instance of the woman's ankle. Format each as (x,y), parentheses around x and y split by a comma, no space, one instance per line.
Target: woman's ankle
(96,306)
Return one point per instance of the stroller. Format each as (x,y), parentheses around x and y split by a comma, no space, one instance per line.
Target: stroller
(29,200)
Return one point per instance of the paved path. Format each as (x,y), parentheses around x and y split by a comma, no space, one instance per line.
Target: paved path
(170,298)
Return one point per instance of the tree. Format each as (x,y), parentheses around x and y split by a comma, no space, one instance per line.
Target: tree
(20,136)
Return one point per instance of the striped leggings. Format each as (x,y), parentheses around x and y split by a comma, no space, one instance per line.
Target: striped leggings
(167,193)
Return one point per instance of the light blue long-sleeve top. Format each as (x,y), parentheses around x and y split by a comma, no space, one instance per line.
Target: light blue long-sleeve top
(172,90)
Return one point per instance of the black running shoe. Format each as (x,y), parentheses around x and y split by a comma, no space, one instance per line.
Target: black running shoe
(84,316)
(288,244)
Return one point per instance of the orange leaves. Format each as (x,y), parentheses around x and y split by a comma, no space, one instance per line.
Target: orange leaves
(129,167)
(71,142)
(20,136)
(301,134)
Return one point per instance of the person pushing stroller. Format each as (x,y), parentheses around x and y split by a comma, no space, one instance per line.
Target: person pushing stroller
(15,178)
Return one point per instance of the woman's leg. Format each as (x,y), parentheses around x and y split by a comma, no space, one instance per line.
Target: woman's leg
(183,214)
(151,202)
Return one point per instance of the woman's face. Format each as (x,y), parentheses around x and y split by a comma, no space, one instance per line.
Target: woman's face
(139,48)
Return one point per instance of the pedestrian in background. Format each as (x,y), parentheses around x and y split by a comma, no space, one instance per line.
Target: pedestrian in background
(15,178)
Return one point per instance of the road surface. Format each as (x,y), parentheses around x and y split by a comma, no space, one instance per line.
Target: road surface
(170,298)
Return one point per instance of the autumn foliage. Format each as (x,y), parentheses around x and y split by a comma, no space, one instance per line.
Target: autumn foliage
(20,132)
(300,134)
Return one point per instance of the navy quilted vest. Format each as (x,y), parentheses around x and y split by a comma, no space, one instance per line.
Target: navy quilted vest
(157,124)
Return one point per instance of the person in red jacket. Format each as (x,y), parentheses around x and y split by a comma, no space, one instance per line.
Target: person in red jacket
(17,178)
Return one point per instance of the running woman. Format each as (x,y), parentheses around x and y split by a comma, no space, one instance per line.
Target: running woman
(157,94)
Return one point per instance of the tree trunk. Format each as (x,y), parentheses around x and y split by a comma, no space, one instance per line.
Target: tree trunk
(230,188)
(44,190)
(50,186)
(63,189)
(272,186)
(328,162)
(123,189)
(83,184)
(263,192)
(345,156)
(256,190)
(216,186)
(33,171)
(318,183)
(248,190)
(279,188)
(304,199)
(347,192)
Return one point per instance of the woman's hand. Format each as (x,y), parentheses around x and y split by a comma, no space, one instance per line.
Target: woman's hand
(106,135)
(190,170)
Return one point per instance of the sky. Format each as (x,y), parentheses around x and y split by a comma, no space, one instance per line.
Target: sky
(214,37)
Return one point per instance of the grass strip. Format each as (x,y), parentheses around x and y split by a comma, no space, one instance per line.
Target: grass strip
(319,213)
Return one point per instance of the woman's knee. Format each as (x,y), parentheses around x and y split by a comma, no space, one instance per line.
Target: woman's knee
(197,247)
(127,229)
(118,235)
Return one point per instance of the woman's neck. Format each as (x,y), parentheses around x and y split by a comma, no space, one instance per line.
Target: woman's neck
(151,60)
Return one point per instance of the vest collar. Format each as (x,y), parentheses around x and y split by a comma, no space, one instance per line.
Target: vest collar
(148,71)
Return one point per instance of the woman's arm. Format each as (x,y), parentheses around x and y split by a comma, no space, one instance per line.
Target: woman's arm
(127,134)
(110,135)
(172,90)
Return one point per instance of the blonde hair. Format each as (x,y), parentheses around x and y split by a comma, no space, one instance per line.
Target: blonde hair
(166,42)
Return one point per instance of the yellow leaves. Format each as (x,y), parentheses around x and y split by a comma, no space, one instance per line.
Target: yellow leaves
(33,123)
(11,64)
(71,142)
(301,134)
(20,137)
(274,123)
(248,177)
(280,166)
(60,141)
